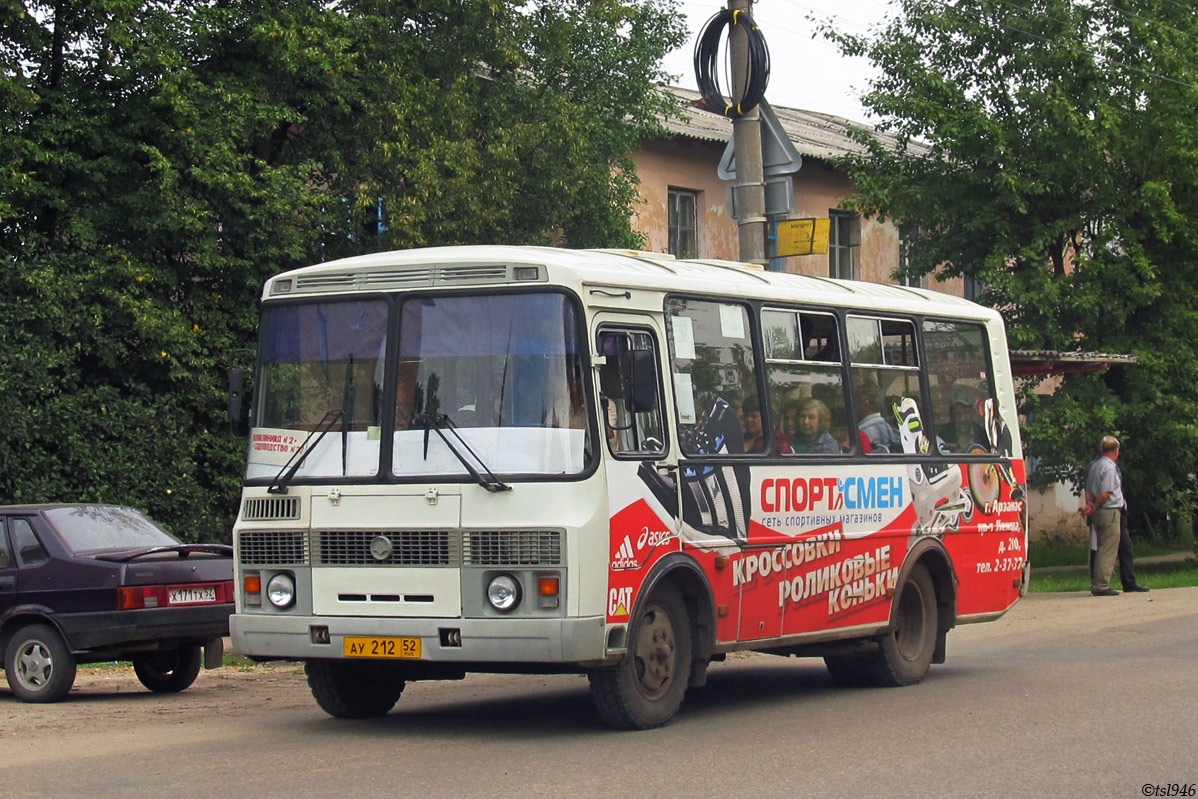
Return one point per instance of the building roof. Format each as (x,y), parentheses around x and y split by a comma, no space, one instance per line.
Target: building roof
(1026,363)
(814,135)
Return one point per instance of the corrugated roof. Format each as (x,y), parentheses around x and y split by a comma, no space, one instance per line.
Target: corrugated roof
(815,135)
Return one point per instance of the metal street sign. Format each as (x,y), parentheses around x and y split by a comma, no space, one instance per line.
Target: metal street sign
(802,237)
(779,197)
(778,153)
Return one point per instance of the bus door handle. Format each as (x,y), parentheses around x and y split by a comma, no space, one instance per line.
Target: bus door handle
(8,583)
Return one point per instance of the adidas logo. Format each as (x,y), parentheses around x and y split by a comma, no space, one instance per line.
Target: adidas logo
(625,556)
(625,550)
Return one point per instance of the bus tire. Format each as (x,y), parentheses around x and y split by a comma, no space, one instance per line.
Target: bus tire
(905,651)
(645,690)
(351,690)
(171,671)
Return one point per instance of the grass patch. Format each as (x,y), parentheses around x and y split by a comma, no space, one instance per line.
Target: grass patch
(1175,574)
(1052,552)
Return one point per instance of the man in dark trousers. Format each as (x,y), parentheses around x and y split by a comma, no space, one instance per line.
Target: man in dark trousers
(1106,511)
(1127,567)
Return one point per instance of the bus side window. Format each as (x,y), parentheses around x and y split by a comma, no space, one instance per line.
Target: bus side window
(714,378)
(958,370)
(805,377)
(886,389)
(630,394)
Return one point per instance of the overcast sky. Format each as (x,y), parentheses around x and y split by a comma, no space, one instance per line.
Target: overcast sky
(805,73)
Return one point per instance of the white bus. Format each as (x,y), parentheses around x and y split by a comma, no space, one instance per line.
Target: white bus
(535,460)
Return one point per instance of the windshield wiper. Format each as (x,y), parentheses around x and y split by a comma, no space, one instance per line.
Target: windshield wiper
(440,422)
(287,473)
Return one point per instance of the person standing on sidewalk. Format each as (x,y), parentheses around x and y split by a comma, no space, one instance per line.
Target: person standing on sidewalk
(1104,506)
(1127,566)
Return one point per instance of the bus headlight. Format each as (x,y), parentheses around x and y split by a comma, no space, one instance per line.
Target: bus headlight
(281,591)
(504,593)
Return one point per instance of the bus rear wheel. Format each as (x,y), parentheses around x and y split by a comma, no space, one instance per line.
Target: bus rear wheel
(905,652)
(646,689)
(352,690)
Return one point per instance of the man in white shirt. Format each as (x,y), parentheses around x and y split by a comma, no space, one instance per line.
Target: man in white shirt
(1104,504)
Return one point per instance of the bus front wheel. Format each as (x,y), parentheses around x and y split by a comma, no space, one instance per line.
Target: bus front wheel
(646,689)
(353,690)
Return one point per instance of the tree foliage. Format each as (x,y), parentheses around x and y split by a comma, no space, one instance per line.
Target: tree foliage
(160,158)
(1050,152)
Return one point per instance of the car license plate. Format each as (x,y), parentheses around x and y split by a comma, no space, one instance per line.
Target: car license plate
(191,596)
(382,647)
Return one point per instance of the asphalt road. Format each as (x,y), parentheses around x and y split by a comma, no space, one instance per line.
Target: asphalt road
(1067,696)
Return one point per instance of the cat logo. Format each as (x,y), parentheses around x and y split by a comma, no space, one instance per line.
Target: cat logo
(618,601)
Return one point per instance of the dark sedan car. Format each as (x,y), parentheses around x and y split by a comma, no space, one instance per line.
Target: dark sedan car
(96,583)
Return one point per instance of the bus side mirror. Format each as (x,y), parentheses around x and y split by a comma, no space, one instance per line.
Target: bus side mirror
(611,383)
(239,404)
(643,381)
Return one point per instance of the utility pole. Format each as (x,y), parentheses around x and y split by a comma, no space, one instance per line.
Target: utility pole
(750,181)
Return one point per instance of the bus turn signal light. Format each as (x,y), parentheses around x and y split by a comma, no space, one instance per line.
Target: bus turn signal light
(252,588)
(548,588)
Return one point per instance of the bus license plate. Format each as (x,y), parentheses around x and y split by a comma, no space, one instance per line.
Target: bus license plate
(382,647)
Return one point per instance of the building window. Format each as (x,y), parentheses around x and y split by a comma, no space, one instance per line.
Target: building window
(844,245)
(975,287)
(905,278)
(684,223)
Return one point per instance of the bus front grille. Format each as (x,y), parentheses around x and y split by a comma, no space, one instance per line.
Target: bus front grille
(263,509)
(489,548)
(386,548)
(513,548)
(273,547)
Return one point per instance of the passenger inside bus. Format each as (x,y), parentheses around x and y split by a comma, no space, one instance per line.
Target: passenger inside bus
(963,430)
(881,436)
(751,426)
(812,424)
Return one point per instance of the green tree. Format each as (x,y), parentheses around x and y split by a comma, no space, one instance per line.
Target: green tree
(158,160)
(1049,151)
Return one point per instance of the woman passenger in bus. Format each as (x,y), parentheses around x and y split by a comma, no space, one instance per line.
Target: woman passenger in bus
(750,423)
(812,435)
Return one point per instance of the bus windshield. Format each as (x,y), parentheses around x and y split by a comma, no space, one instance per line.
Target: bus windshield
(488,383)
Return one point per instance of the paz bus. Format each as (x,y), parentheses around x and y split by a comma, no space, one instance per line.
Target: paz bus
(538,460)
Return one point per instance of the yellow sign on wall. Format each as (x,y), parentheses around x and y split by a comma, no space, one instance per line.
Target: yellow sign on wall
(802,237)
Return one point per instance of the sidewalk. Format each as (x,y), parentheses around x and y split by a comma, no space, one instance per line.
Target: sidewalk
(1173,557)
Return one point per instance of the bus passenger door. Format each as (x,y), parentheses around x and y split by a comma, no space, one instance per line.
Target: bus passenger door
(641,483)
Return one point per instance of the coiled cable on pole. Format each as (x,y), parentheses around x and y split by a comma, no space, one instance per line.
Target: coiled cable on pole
(757,71)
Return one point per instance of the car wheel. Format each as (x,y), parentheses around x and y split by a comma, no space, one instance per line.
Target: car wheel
(38,665)
(646,689)
(171,671)
(354,690)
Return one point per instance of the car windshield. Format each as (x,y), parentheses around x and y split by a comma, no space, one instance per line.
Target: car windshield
(100,528)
